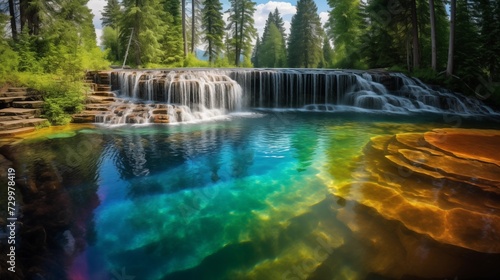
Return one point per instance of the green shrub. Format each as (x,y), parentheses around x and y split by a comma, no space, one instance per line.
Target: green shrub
(8,59)
(247,63)
(62,95)
(192,61)
(223,62)
(62,99)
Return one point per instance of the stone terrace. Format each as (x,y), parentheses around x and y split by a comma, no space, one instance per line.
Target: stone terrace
(20,110)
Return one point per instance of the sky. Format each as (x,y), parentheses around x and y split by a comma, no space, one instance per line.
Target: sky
(286,8)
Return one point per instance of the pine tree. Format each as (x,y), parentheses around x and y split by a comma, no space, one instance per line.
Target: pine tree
(442,33)
(272,51)
(241,25)
(213,26)
(255,53)
(432,10)
(33,14)
(451,45)
(172,43)
(110,33)
(111,14)
(345,28)
(278,20)
(306,36)
(466,43)
(8,57)
(487,13)
(173,7)
(196,18)
(144,21)
(327,53)
(13,21)
(110,41)
(415,35)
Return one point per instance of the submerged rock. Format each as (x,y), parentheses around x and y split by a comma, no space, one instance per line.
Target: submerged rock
(444,184)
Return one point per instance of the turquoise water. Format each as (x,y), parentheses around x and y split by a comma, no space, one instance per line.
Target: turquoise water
(248,197)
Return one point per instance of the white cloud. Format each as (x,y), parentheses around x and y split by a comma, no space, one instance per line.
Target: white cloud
(97,6)
(324,17)
(287,10)
(98,34)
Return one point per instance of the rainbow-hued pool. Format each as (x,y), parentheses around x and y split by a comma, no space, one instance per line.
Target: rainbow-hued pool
(258,195)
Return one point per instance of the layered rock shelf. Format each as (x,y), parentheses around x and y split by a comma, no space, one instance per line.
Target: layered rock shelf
(20,110)
(444,184)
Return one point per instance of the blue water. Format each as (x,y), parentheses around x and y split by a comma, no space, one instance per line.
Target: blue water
(190,191)
(248,197)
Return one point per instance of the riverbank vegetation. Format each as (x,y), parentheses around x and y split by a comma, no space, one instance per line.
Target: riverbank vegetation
(47,46)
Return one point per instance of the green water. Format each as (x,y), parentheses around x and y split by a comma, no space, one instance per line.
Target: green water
(249,197)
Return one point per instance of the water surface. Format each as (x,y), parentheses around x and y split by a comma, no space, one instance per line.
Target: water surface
(254,196)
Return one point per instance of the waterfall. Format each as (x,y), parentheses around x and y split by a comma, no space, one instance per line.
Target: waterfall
(193,94)
(158,96)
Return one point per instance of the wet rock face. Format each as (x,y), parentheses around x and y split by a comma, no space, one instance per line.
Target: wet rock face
(444,184)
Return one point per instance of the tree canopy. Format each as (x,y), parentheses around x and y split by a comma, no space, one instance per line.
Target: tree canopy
(54,36)
(306,36)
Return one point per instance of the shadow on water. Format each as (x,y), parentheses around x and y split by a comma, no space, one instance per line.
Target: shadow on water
(305,143)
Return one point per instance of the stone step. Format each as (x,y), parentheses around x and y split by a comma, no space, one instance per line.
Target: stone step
(100,99)
(17,117)
(12,99)
(17,89)
(17,131)
(6,125)
(97,107)
(13,94)
(19,111)
(104,93)
(102,87)
(28,104)
(85,117)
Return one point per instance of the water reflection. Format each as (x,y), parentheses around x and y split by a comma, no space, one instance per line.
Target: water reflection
(240,199)
(305,142)
(58,180)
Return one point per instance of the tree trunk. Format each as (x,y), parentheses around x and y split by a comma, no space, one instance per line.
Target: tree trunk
(416,47)
(433,35)
(408,57)
(22,13)
(236,39)
(184,37)
(13,24)
(240,47)
(136,33)
(451,46)
(193,24)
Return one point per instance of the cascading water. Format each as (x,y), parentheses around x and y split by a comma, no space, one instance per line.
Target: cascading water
(192,94)
(171,97)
